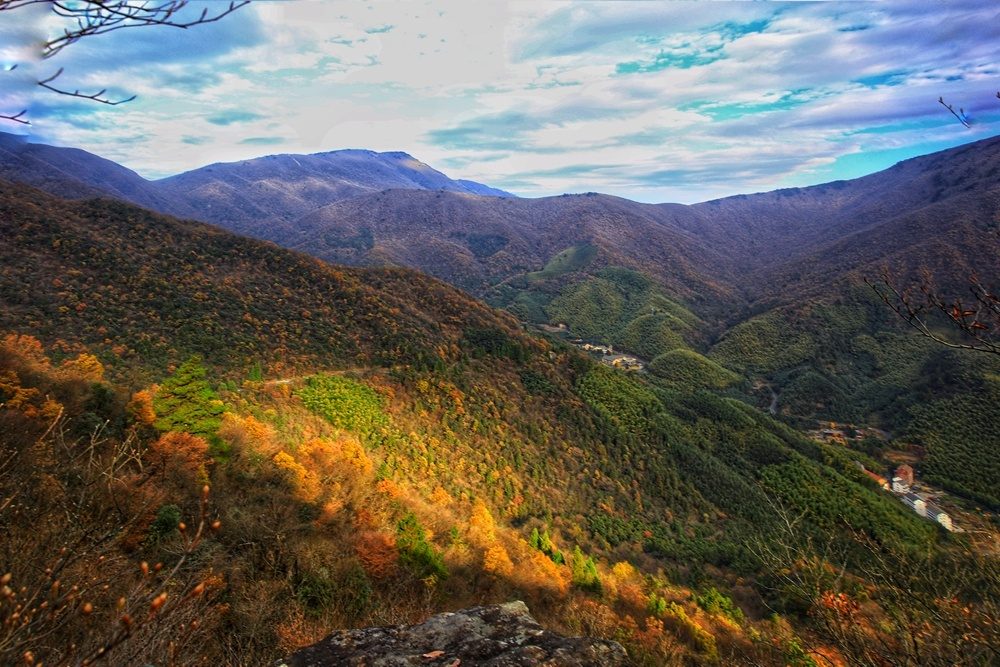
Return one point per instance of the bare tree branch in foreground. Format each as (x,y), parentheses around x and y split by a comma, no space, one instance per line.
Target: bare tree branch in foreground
(97,17)
(977,318)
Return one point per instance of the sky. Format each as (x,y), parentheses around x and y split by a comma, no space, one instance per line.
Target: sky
(656,101)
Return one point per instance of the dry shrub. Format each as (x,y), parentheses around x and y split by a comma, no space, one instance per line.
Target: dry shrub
(593,619)
(296,631)
(180,457)
(377,554)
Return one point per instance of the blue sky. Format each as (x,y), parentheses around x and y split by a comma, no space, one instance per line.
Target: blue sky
(655,101)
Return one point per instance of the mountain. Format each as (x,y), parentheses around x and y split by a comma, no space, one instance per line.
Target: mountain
(157,289)
(374,446)
(285,187)
(480,242)
(816,233)
(364,208)
(77,174)
(279,186)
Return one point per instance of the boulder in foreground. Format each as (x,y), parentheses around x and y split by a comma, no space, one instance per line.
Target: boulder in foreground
(496,636)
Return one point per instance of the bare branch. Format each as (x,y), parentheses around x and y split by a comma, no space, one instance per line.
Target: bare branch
(960,114)
(96,97)
(17,118)
(97,17)
(94,17)
(977,321)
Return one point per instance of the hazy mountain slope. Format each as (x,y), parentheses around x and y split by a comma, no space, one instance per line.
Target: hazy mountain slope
(235,193)
(286,187)
(951,239)
(476,241)
(480,189)
(73,173)
(762,231)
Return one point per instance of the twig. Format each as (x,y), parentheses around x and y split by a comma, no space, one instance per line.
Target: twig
(962,118)
(96,97)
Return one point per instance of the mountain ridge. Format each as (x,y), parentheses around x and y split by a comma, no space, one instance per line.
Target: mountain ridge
(360,207)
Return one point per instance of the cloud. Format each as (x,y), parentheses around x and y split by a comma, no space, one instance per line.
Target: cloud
(233,116)
(652,100)
(262,141)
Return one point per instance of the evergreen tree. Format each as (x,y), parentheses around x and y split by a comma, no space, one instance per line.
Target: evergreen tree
(186,403)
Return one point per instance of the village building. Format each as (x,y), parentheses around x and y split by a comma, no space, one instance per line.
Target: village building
(622,361)
(916,503)
(905,473)
(935,513)
(899,485)
(881,481)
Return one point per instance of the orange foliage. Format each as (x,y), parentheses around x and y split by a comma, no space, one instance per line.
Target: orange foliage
(548,573)
(141,408)
(632,596)
(22,398)
(85,366)
(365,519)
(377,554)
(481,524)
(353,453)
(28,348)
(317,449)
(497,562)
(623,571)
(257,430)
(181,453)
(18,397)
(440,497)
(389,488)
(304,481)
(247,432)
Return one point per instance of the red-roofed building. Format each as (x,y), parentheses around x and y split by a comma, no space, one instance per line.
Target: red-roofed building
(905,473)
(881,481)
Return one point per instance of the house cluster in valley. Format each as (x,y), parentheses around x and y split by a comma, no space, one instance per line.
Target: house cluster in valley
(609,357)
(902,483)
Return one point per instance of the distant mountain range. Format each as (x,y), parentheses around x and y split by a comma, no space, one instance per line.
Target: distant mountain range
(361,208)
(280,186)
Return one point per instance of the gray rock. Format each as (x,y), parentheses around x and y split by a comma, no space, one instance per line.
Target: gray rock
(497,636)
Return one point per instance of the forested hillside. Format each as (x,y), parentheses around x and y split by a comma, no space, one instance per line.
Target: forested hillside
(376,446)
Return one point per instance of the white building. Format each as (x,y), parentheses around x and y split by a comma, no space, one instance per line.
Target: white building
(935,513)
(899,485)
(916,503)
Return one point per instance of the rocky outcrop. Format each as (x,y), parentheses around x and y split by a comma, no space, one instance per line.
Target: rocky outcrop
(497,636)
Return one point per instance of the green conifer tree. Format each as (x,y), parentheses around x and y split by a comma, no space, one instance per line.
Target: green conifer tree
(185,402)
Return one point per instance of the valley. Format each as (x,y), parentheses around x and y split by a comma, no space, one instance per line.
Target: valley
(377,392)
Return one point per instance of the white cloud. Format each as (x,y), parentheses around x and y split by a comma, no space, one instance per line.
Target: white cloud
(656,100)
